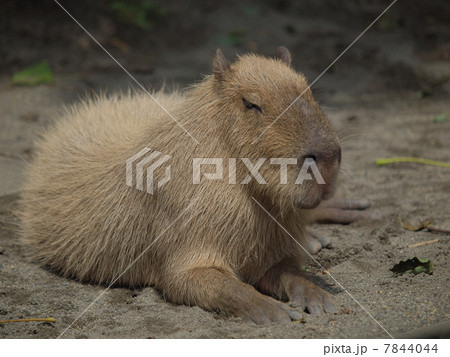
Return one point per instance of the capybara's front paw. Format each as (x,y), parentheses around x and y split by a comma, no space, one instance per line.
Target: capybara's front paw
(313,240)
(303,293)
(262,310)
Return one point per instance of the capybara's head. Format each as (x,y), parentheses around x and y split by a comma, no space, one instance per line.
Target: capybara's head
(269,112)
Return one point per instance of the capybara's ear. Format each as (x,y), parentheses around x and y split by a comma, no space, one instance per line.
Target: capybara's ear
(284,55)
(221,66)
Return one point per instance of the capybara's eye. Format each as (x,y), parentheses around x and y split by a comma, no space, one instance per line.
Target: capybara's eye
(249,105)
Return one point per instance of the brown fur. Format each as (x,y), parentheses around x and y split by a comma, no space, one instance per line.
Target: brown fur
(80,219)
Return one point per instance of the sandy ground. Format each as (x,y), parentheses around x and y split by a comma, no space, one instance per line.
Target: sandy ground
(370,97)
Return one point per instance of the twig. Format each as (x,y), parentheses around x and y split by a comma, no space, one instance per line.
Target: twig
(423,243)
(438,230)
(11,156)
(49,319)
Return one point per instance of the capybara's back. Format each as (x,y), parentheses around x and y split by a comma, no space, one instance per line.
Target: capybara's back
(77,212)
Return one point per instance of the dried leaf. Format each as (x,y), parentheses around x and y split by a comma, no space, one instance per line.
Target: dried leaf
(410,227)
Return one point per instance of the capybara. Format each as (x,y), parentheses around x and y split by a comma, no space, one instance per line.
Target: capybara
(231,245)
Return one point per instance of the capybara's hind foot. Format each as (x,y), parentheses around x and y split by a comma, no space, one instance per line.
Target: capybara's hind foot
(335,210)
(342,210)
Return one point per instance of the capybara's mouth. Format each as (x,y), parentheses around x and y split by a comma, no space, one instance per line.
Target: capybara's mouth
(317,192)
(314,196)
(328,188)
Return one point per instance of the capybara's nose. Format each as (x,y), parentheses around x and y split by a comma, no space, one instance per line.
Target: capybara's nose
(328,153)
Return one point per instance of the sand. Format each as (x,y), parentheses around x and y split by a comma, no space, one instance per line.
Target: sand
(370,97)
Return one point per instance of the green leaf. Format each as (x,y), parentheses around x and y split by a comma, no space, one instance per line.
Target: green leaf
(139,13)
(290,28)
(251,10)
(440,118)
(34,75)
(417,160)
(233,38)
(423,93)
(387,23)
(413,266)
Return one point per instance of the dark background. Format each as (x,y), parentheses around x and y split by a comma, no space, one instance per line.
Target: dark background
(181,36)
